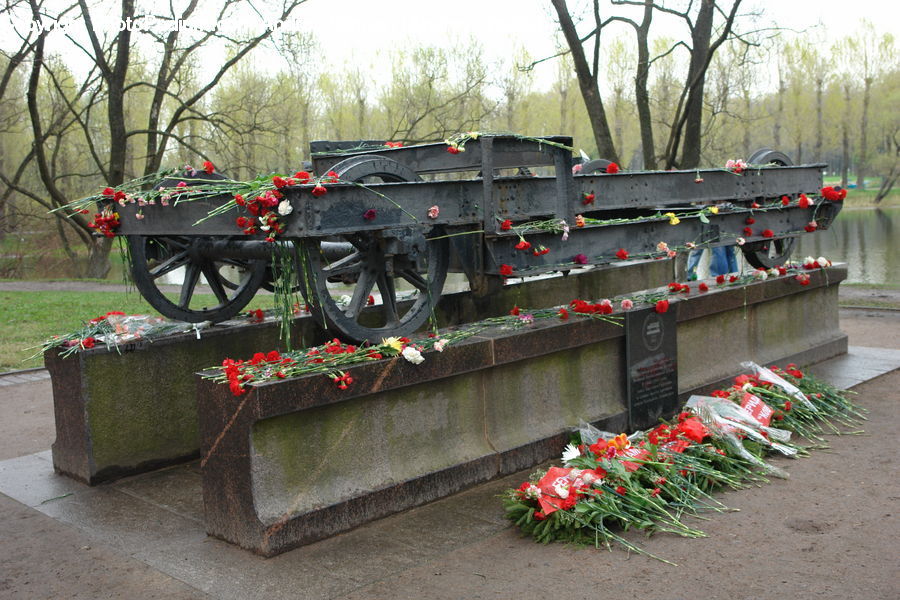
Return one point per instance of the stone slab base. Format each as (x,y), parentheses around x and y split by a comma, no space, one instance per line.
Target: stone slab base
(294,461)
(131,410)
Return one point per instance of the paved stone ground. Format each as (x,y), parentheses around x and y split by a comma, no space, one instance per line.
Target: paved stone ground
(828,532)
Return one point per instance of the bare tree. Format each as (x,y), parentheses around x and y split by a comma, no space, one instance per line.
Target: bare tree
(587,75)
(97,109)
(683,147)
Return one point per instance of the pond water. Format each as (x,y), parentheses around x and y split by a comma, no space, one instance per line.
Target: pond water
(866,239)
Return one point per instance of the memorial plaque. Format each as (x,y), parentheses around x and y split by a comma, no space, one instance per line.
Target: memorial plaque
(651,351)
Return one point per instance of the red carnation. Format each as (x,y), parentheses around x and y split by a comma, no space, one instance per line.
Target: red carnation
(506,225)
(523,245)
(319,190)
(506,270)
(750,221)
(279,182)
(835,194)
(370,215)
(693,429)
(748,232)
(208,167)
(621,490)
(302,176)
(514,311)
(720,279)
(767,233)
(785,200)
(108,192)
(563,314)
(703,287)
(588,199)
(662,306)
(612,168)
(453,149)
(622,254)
(580,259)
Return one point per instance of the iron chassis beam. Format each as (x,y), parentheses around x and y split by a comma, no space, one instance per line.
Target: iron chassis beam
(476,206)
(516,198)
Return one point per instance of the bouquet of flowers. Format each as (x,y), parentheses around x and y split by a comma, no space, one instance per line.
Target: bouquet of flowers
(651,479)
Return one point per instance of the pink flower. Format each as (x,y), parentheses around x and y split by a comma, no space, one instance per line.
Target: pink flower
(580,259)
(370,215)
(433,212)
(627,304)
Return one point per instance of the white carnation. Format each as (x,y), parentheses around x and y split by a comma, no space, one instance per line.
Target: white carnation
(284,208)
(413,355)
(570,453)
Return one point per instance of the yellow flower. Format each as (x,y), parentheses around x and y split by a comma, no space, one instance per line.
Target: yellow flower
(673,220)
(393,343)
(714,210)
(620,441)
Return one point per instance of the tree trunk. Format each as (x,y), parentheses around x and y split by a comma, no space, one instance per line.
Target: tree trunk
(748,122)
(98,258)
(817,153)
(845,138)
(563,83)
(587,82)
(115,103)
(700,39)
(779,113)
(863,138)
(887,184)
(641,95)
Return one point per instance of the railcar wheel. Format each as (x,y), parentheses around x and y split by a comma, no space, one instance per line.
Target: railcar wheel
(767,254)
(595,166)
(359,263)
(767,156)
(232,281)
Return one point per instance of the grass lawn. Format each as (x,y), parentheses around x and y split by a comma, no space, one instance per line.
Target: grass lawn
(32,317)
